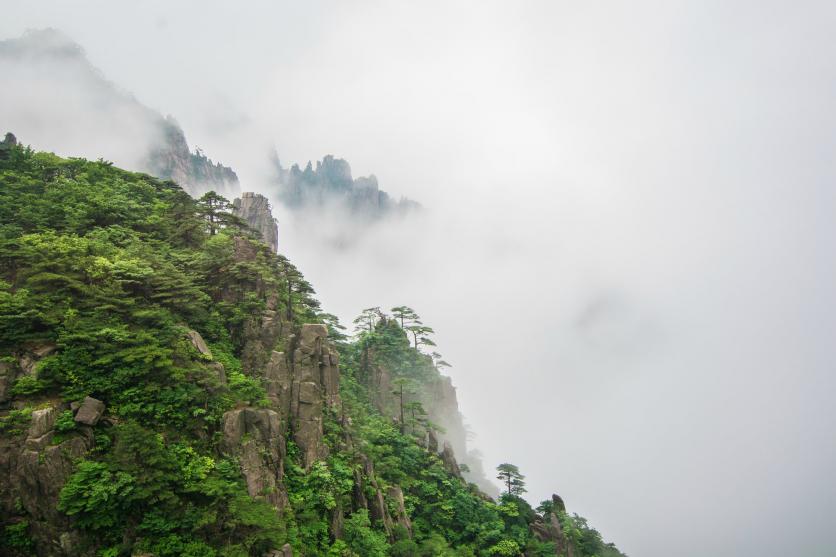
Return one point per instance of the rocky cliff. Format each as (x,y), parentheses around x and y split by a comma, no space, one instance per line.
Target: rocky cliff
(170,158)
(254,209)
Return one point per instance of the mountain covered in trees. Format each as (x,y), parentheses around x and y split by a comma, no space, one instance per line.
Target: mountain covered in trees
(61,100)
(170,386)
(331,185)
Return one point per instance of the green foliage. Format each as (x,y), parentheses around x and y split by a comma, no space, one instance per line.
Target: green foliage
(100,498)
(361,538)
(505,547)
(179,500)
(65,422)
(16,537)
(512,478)
(27,385)
(16,421)
(586,539)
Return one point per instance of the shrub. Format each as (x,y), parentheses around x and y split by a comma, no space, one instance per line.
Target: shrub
(65,422)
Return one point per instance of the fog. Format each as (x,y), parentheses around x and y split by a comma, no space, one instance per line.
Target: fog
(628,248)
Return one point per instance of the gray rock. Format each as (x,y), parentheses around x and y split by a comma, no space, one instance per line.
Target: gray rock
(432,442)
(7,377)
(199,343)
(254,435)
(449,460)
(90,411)
(285,551)
(312,335)
(43,421)
(309,392)
(220,372)
(395,493)
(44,350)
(254,209)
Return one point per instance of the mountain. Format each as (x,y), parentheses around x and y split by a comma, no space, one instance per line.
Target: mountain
(331,185)
(55,97)
(169,386)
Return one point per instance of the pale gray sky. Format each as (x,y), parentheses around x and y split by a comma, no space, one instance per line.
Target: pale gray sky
(629,255)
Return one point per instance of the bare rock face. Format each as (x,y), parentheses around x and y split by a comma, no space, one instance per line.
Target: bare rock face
(171,158)
(285,551)
(7,376)
(449,460)
(558,503)
(43,421)
(32,472)
(432,442)
(198,342)
(254,209)
(255,436)
(303,385)
(90,411)
(395,493)
(376,504)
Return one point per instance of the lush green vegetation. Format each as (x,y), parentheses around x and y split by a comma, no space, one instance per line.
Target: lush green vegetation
(114,268)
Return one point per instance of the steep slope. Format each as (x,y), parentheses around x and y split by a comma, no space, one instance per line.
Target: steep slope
(169,386)
(55,96)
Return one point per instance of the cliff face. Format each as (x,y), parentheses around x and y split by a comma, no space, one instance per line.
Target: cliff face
(330,184)
(196,173)
(254,209)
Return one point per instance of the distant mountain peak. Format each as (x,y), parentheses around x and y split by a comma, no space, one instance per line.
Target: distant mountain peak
(331,183)
(60,101)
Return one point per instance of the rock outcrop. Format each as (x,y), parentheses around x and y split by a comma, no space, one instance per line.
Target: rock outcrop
(255,436)
(33,469)
(90,411)
(448,457)
(549,529)
(23,363)
(172,159)
(254,209)
(395,494)
(303,385)
(6,145)
(366,482)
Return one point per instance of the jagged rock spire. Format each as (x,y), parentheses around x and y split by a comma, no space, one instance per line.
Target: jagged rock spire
(254,209)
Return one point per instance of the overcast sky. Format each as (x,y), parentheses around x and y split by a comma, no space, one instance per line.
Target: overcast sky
(629,251)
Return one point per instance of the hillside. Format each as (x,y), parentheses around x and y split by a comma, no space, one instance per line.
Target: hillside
(170,386)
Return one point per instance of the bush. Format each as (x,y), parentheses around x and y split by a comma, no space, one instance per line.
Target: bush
(16,422)
(360,537)
(27,385)
(65,422)
(16,536)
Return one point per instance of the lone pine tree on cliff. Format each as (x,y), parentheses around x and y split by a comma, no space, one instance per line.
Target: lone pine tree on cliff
(512,478)
(214,209)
